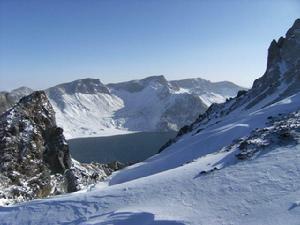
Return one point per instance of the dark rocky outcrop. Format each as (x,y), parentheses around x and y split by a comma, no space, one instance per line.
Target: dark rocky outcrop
(281,131)
(35,161)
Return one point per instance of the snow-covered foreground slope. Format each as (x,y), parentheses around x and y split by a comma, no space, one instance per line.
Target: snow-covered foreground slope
(89,108)
(264,190)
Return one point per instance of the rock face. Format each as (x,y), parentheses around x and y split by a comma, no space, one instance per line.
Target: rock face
(280,80)
(34,156)
(283,69)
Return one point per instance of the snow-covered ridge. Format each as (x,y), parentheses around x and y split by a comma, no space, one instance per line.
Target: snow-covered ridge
(89,108)
(209,92)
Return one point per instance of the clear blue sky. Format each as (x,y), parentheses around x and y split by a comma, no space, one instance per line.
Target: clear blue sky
(43,43)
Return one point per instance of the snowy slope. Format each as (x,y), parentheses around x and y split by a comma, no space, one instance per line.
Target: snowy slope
(209,92)
(89,108)
(88,114)
(264,190)
(211,139)
(276,92)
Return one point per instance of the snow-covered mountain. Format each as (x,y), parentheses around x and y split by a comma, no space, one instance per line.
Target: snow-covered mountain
(89,108)
(209,92)
(8,99)
(238,163)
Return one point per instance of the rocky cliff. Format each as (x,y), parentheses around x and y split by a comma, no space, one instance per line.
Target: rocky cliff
(35,161)
(280,80)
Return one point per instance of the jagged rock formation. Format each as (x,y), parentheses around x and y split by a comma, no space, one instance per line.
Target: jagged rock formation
(34,156)
(281,79)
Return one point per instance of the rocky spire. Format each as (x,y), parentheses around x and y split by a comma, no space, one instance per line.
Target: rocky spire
(282,75)
(280,80)
(294,29)
(273,53)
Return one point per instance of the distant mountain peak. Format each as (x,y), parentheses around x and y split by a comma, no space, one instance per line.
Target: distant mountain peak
(157,78)
(294,29)
(138,85)
(8,99)
(22,89)
(83,86)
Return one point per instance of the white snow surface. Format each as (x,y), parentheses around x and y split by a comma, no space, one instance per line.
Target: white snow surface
(171,188)
(89,115)
(216,135)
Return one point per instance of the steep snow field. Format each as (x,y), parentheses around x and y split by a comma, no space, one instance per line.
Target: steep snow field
(195,181)
(262,191)
(89,115)
(216,135)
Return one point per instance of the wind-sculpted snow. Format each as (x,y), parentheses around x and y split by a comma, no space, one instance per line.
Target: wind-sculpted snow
(260,191)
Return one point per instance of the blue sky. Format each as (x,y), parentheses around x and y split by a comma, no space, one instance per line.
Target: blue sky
(43,43)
